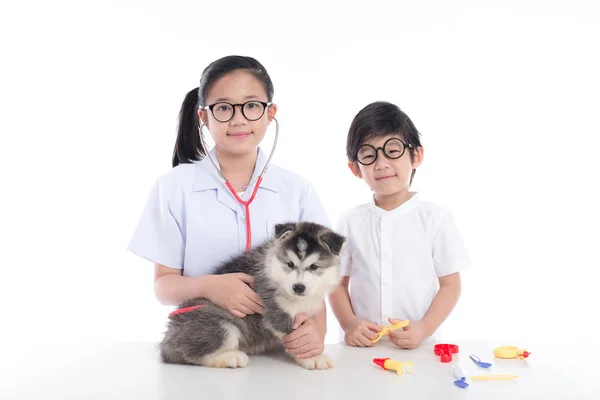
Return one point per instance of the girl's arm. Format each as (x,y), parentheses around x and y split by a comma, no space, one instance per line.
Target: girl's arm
(320,319)
(308,336)
(171,288)
(229,291)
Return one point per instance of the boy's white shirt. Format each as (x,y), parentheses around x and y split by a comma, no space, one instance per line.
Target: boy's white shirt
(394,258)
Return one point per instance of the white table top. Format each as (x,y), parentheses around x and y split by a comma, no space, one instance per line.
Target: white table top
(133,371)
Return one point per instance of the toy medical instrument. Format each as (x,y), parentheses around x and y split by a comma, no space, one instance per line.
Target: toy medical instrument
(401,368)
(246,204)
(461,378)
(385,329)
(478,361)
(186,309)
(494,377)
(510,352)
(445,351)
(459,374)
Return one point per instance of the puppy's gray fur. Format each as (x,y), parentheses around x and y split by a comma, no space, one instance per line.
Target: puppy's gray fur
(302,253)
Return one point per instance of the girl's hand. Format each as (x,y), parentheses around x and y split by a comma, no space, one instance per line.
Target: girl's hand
(361,333)
(306,340)
(410,337)
(233,293)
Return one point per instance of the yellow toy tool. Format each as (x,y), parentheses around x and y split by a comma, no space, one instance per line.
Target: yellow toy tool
(461,379)
(385,329)
(401,368)
(510,352)
(494,377)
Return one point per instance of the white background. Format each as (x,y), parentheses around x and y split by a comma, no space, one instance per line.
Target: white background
(506,96)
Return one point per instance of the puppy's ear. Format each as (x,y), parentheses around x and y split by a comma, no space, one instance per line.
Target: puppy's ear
(282,231)
(333,241)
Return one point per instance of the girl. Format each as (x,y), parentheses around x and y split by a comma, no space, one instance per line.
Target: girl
(192,220)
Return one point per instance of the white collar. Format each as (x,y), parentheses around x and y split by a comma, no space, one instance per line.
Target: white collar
(210,179)
(402,209)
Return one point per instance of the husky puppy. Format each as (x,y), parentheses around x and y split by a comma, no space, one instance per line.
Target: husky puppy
(292,273)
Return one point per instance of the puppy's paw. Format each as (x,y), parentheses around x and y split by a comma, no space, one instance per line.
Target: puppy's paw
(322,361)
(228,359)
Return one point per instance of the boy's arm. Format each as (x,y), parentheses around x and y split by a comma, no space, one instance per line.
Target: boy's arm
(357,332)
(449,257)
(418,331)
(341,306)
(443,303)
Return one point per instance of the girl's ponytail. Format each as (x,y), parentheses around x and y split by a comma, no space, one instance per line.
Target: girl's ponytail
(188,147)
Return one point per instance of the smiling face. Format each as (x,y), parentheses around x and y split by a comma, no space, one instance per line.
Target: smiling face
(388,177)
(239,135)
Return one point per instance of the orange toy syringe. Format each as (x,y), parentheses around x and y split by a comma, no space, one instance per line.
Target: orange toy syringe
(400,367)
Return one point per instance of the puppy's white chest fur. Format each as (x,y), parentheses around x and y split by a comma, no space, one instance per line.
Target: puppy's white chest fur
(297,305)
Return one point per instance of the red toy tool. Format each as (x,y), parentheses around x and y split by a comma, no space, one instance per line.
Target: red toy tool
(186,309)
(445,351)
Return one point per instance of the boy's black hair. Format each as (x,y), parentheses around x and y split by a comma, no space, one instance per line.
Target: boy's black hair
(380,119)
(188,147)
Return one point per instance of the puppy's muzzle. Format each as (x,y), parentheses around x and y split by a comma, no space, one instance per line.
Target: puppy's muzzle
(299,289)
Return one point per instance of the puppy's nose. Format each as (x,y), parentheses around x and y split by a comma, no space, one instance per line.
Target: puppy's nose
(299,288)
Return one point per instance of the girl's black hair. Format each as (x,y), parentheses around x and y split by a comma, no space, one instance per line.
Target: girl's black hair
(188,147)
(380,119)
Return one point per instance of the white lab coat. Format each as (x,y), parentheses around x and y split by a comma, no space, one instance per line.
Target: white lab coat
(192,221)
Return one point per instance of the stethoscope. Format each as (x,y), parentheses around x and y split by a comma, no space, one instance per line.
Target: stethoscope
(247,203)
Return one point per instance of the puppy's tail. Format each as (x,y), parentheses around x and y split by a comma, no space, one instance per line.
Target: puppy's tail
(168,353)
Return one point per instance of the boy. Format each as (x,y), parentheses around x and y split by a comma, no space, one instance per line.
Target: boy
(400,249)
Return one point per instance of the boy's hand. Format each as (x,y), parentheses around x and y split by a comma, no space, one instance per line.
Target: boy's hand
(306,340)
(361,333)
(410,337)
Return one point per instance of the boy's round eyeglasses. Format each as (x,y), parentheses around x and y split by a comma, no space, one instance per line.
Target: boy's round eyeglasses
(393,148)
(251,110)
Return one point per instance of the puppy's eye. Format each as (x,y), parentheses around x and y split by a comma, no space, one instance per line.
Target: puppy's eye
(291,264)
(313,267)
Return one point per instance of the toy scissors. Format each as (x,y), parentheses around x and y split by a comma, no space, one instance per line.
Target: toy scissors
(445,351)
